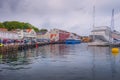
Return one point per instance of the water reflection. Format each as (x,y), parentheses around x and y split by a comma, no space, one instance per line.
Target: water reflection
(52,51)
(26,57)
(105,63)
(56,62)
(115,65)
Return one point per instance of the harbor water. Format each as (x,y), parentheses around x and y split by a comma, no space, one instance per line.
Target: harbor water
(61,62)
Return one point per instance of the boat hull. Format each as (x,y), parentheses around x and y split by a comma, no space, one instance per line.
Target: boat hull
(98,44)
(72,42)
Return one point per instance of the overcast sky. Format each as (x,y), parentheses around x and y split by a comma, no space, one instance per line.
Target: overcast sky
(70,15)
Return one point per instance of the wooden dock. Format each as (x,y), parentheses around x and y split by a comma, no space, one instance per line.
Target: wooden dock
(14,48)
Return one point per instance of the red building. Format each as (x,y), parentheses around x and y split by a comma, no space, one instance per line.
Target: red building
(58,35)
(63,35)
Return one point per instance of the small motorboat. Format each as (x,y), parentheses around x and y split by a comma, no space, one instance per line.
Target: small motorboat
(72,41)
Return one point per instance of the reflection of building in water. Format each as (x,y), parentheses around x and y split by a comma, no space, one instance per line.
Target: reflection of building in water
(56,50)
(44,51)
(25,56)
(16,57)
(9,57)
(15,61)
(115,58)
(29,53)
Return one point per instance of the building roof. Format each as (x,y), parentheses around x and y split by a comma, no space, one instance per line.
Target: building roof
(28,30)
(60,30)
(3,29)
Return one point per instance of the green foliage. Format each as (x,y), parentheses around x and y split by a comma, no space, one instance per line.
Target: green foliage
(36,29)
(11,25)
(2,26)
(43,30)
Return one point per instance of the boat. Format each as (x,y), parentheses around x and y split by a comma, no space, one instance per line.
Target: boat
(101,36)
(97,43)
(72,41)
(104,35)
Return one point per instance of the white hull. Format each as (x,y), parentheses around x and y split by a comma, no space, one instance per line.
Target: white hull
(98,44)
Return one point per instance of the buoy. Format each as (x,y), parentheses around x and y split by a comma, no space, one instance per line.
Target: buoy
(115,51)
(1,44)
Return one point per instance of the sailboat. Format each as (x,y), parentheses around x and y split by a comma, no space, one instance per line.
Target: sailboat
(101,35)
(104,35)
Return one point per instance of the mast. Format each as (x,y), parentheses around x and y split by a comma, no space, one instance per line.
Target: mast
(112,20)
(93,21)
(112,25)
(93,16)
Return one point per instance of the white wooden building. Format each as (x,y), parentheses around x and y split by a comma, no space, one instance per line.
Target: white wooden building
(27,34)
(8,35)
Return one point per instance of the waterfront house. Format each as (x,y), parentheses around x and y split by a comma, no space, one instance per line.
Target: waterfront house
(74,36)
(5,34)
(43,36)
(7,37)
(58,35)
(26,34)
(55,35)
(3,29)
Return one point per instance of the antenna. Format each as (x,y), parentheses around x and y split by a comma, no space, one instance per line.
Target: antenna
(93,16)
(112,20)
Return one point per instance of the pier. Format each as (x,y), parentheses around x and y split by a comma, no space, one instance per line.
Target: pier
(14,48)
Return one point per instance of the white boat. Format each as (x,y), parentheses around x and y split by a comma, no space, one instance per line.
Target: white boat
(104,35)
(101,36)
(97,43)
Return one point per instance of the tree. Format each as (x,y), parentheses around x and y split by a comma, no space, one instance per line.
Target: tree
(1,25)
(11,25)
(43,30)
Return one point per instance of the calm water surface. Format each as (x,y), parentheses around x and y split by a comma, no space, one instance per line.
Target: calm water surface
(61,62)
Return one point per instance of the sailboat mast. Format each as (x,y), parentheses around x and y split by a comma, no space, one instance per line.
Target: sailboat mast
(93,20)
(93,16)
(112,20)
(112,25)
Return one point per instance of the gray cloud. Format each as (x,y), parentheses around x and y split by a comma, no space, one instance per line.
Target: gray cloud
(71,15)
(11,5)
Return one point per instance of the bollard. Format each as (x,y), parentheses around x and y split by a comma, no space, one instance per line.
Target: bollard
(36,45)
